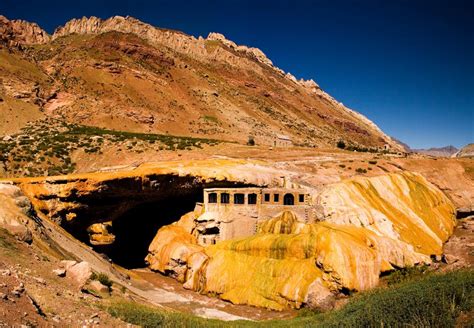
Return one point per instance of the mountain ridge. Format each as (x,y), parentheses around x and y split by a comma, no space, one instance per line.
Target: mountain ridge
(264,99)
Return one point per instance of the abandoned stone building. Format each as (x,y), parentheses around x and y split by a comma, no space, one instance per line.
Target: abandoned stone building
(236,212)
(282,141)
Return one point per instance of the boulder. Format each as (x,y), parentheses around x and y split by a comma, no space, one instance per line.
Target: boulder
(59,272)
(13,212)
(450,259)
(80,273)
(319,297)
(99,234)
(98,287)
(66,264)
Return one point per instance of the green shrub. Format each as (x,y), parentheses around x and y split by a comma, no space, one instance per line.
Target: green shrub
(251,141)
(406,274)
(373,162)
(342,165)
(361,170)
(341,144)
(102,278)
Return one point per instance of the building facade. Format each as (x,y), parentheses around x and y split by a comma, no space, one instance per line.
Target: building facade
(230,213)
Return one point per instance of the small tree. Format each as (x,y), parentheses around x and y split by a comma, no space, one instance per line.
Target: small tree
(251,141)
(341,144)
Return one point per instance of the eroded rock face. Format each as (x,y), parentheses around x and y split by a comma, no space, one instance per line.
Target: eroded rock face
(84,199)
(14,211)
(100,235)
(386,203)
(255,52)
(19,32)
(289,263)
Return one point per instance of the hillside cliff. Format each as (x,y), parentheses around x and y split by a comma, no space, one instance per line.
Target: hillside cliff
(124,74)
(19,32)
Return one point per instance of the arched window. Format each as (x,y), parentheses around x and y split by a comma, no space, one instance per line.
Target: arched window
(288,199)
(239,199)
(212,198)
(225,198)
(252,199)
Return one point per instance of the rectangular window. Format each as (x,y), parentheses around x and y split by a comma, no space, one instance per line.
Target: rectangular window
(225,198)
(276,198)
(266,197)
(212,198)
(239,198)
(252,199)
(301,198)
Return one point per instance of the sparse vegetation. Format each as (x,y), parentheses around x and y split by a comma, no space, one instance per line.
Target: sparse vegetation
(102,278)
(46,147)
(373,162)
(406,274)
(148,317)
(341,144)
(413,299)
(361,170)
(209,118)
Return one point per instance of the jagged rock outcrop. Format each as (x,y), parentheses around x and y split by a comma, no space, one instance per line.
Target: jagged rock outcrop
(19,32)
(255,52)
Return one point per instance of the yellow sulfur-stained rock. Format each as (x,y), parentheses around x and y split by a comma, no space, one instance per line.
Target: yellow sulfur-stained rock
(100,235)
(370,225)
(170,249)
(259,281)
(286,222)
(402,206)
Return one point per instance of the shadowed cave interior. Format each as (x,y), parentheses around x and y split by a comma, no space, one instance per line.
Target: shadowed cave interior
(135,229)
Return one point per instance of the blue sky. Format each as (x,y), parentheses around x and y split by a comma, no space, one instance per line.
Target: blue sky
(407,65)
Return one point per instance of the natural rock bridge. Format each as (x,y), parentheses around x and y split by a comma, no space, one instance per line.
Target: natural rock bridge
(361,228)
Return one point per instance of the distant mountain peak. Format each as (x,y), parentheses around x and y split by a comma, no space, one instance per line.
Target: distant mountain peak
(445,151)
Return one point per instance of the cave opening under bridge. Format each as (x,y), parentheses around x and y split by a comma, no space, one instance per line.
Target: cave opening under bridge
(146,212)
(135,229)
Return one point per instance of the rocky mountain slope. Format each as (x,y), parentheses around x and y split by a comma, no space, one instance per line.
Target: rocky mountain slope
(466,151)
(124,74)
